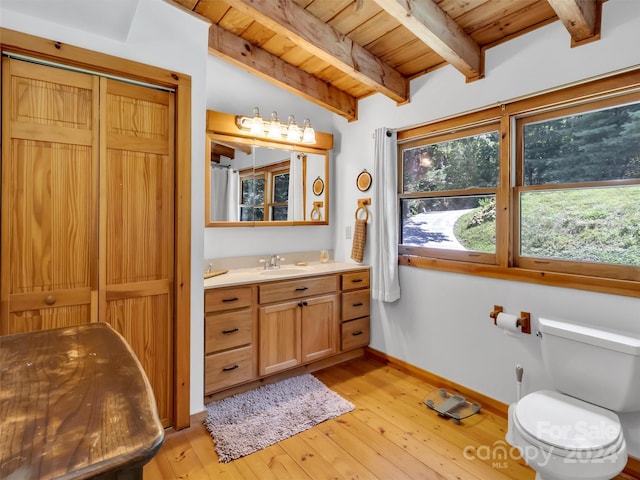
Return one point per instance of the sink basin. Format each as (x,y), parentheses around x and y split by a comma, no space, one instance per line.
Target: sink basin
(284,271)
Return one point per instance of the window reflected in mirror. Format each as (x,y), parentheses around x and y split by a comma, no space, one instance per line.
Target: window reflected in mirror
(252,182)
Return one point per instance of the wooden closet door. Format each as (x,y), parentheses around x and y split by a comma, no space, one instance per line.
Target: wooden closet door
(136,227)
(49,197)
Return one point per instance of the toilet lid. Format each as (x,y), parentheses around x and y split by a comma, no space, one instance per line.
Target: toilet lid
(566,422)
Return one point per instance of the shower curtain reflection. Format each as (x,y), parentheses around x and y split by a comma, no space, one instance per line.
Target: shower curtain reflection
(224,204)
(296,180)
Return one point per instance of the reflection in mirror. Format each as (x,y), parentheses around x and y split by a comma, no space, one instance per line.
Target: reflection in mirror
(227,161)
(255,182)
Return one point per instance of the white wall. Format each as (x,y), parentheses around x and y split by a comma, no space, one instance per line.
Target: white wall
(232,90)
(163,36)
(441,323)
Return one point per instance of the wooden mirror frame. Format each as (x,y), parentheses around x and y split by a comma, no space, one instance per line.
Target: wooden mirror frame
(222,127)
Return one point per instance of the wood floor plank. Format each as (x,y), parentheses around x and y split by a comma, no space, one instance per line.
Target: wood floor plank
(280,463)
(309,459)
(182,460)
(340,458)
(431,432)
(351,431)
(390,435)
(400,398)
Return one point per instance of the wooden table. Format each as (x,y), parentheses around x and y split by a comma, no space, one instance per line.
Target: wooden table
(74,403)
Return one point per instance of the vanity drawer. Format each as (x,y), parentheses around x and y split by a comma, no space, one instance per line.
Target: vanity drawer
(355,304)
(219,299)
(227,330)
(355,334)
(355,280)
(304,287)
(225,369)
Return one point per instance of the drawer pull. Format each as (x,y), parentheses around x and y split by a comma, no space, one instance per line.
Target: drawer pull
(359,304)
(50,300)
(359,332)
(303,304)
(233,330)
(357,280)
(227,300)
(301,289)
(228,369)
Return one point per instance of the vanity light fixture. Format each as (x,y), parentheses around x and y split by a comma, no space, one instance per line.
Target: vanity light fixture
(274,129)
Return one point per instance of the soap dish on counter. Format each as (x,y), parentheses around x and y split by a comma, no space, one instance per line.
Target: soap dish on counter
(214,273)
(450,405)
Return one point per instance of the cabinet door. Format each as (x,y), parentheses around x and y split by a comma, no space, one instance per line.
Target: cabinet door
(136,227)
(49,197)
(279,331)
(320,327)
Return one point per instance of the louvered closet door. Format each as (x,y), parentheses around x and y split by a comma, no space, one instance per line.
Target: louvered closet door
(49,198)
(136,227)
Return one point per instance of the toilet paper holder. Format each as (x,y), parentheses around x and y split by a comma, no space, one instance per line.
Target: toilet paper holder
(524,320)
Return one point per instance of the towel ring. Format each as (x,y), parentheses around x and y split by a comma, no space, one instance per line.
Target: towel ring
(366,218)
(316,213)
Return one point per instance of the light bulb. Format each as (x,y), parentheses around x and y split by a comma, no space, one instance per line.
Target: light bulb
(274,126)
(293,132)
(309,134)
(257,125)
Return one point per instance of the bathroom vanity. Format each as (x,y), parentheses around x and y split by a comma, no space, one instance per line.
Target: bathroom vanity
(259,323)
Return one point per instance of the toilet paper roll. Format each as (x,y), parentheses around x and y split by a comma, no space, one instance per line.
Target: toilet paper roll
(508,323)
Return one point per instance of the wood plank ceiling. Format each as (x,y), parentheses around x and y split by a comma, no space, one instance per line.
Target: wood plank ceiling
(334,52)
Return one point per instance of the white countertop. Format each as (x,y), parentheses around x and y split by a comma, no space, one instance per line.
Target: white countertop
(241,276)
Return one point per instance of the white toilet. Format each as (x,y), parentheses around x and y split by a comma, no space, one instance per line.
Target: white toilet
(574,433)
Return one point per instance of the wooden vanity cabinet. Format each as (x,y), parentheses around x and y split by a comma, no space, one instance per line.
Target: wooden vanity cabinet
(355,302)
(298,322)
(257,330)
(228,337)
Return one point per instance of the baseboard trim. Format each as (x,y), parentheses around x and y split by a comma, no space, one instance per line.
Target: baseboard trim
(487,402)
(633,467)
(495,406)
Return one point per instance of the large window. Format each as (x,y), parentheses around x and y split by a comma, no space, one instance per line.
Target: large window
(578,188)
(545,189)
(448,195)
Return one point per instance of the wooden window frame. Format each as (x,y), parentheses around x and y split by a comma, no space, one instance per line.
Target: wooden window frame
(508,266)
(274,170)
(250,173)
(269,171)
(491,125)
(623,272)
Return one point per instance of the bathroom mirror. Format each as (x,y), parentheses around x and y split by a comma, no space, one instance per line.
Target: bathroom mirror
(259,182)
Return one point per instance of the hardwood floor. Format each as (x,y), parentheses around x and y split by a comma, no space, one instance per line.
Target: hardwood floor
(390,435)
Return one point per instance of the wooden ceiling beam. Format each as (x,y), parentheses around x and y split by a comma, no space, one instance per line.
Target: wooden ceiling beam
(288,19)
(253,59)
(582,18)
(436,29)
(222,150)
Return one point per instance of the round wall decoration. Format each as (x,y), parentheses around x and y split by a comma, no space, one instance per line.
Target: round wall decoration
(318,187)
(364,181)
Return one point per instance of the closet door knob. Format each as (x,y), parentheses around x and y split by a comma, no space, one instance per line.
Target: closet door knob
(50,300)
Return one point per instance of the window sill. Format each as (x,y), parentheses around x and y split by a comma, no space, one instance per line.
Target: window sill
(554,279)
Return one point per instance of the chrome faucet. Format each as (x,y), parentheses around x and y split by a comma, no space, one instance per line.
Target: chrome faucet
(272,263)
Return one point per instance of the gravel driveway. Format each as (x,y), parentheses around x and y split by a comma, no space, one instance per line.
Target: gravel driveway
(434,230)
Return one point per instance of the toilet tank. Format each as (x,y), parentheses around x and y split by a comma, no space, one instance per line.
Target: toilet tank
(596,365)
